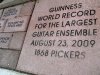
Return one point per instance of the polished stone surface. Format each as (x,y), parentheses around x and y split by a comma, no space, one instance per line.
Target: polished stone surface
(9,58)
(62,52)
(27,9)
(17,40)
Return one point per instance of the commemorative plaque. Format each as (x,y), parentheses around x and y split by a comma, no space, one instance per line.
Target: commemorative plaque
(1,11)
(2,25)
(11,12)
(17,24)
(63,38)
(5,39)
